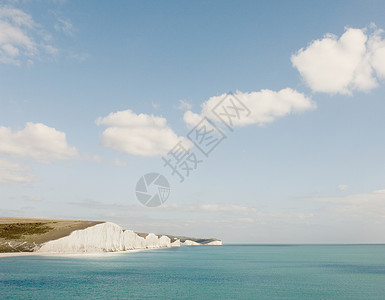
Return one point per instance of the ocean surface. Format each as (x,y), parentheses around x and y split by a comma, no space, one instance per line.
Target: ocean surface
(202,272)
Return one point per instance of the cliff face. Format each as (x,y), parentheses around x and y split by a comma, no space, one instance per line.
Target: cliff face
(28,234)
(105,237)
(190,243)
(110,237)
(72,236)
(214,243)
(207,243)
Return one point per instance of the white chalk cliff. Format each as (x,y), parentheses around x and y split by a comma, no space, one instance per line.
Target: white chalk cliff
(190,243)
(105,237)
(214,243)
(110,237)
(194,243)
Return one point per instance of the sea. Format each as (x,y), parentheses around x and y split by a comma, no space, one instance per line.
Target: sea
(202,272)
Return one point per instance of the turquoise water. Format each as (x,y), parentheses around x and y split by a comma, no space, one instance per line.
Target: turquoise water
(203,272)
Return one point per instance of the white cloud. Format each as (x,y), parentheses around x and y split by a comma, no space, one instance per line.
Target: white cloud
(36,141)
(377,46)
(191,119)
(265,106)
(142,134)
(184,105)
(21,39)
(12,172)
(345,64)
(343,187)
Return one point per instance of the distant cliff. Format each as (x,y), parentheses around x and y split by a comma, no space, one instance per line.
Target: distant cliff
(189,241)
(54,236)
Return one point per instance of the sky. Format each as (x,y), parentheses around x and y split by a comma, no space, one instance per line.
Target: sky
(94,96)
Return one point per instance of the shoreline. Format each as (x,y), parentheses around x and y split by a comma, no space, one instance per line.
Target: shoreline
(22,254)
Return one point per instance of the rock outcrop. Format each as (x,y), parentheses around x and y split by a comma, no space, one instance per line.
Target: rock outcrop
(105,237)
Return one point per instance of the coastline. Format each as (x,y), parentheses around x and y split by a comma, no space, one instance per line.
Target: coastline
(21,254)
(91,238)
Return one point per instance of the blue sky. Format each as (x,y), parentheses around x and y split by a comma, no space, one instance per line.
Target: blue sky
(93,95)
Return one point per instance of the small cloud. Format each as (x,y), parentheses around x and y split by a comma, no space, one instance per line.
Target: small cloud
(92,158)
(64,25)
(155,105)
(79,57)
(21,39)
(343,187)
(212,208)
(191,119)
(142,134)
(118,163)
(184,105)
(32,198)
(100,160)
(37,141)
